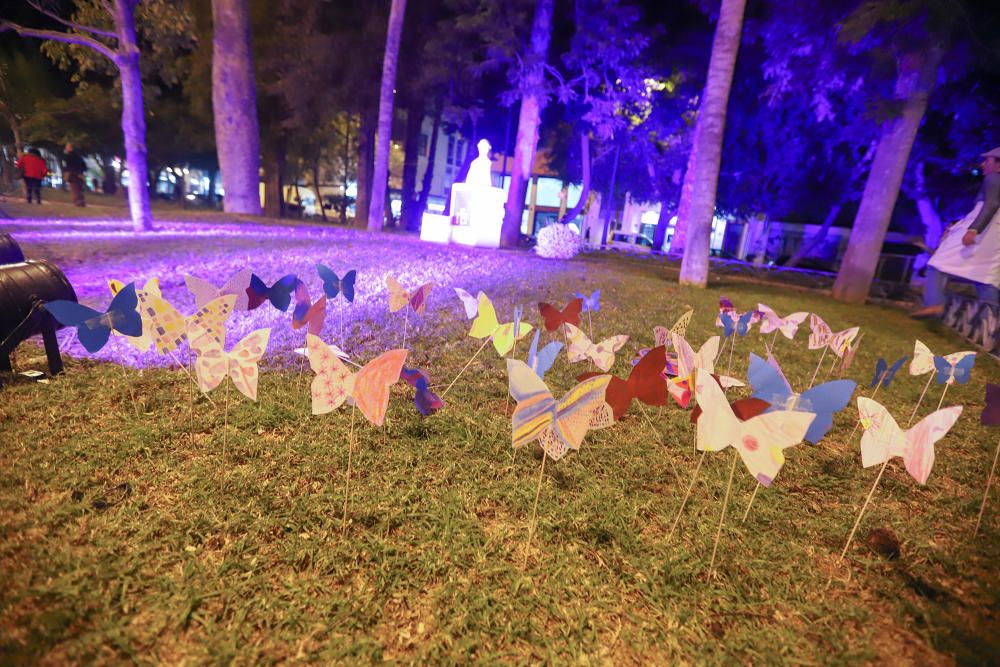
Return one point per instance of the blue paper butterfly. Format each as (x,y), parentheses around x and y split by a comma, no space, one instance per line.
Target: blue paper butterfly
(279,294)
(769,384)
(958,372)
(541,362)
(592,302)
(885,372)
(93,328)
(334,285)
(427,401)
(740,326)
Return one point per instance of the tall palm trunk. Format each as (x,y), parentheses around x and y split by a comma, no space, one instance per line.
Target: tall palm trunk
(585,166)
(234,106)
(916,72)
(428,179)
(532,103)
(409,217)
(380,174)
(365,167)
(708,142)
(133,115)
(679,239)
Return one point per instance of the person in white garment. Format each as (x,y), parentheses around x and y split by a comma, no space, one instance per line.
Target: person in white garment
(970,248)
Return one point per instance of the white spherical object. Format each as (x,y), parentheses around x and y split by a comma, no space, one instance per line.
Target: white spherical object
(558,241)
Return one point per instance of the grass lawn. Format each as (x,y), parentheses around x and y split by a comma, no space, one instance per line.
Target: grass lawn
(126,536)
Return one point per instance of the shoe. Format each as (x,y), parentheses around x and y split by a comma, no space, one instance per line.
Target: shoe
(928,312)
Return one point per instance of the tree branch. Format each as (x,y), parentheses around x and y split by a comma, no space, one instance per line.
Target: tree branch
(71,24)
(68,38)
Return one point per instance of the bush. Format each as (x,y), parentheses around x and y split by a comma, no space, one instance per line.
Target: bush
(558,241)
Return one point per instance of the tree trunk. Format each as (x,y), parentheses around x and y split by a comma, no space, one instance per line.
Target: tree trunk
(409,217)
(347,172)
(319,195)
(380,174)
(109,185)
(234,106)
(806,248)
(366,148)
(274,167)
(425,186)
(585,190)
(527,123)
(928,212)
(15,127)
(133,116)
(611,198)
(915,80)
(679,239)
(662,223)
(708,142)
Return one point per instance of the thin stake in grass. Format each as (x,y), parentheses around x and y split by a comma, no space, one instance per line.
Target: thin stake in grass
(756,488)
(818,364)
(722,516)
(656,433)
(986,494)
(943,393)
(534,509)
(465,367)
(128,384)
(858,423)
(191,377)
(225,433)
(687,495)
(732,348)
(920,400)
(350,451)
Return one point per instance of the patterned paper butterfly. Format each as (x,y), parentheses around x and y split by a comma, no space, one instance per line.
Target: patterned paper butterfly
(204,291)
(821,336)
(661,335)
(883,439)
(93,328)
(581,348)
(213,363)
(557,425)
(951,368)
(688,362)
(469,302)
(152,287)
(368,389)
(788,326)
(399,297)
(486,325)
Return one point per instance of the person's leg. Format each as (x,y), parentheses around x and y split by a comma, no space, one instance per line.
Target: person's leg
(38,191)
(988,293)
(935,283)
(27,188)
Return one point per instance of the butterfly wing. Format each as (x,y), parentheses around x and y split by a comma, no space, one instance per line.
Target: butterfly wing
(768,383)
(681,325)
(577,343)
(202,290)
(824,401)
(882,438)
(645,381)
(944,370)
(718,426)
(880,368)
(398,296)
(162,321)
(313,318)
(347,284)
(333,383)
(469,302)
(485,323)
(575,409)
(418,301)
(923,359)
(918,455)
(841,341)
(210,320)
(819,332)
(506,334)
(790,325)
(372,384)
(554,317)
(331,281)
(743,324)
(280,293)
(211,363)
(962,363)
(762,440)
(535,411)
(891,373)
(90,329)
(728,325)
(243,360)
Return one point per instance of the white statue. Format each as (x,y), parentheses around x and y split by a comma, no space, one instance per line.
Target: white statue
(480,171)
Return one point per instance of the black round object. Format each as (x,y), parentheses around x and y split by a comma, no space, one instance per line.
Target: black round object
(10,252)
(22,286)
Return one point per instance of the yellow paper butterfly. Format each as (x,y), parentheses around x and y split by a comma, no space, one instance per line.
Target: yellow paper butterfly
(168,327)
(581,348)
(486,325)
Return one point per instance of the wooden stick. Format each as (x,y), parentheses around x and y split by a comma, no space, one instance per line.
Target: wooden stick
(656,433)
(750,504)
(183,367)
(729,366)
(467,364)
(945,391)
(818,364)
(225,431)
(986,495)
(350,448)
(590,324)
(128,384)
(722,517)
(832,366)
(921,399)
(406,325)
(863,508)
(687,495)
(858,423)
(534,508)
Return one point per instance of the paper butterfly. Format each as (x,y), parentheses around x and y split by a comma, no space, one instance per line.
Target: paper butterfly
(541,361)
(582,348)
(661,335)
(93,328)
(852,350)
(168,328)
(726,306)
(991,408)
(592,302)
(152,287)
(427,401)
(744,409)
(334,285)
(885,373)
(954,367)
(503,335)
(688,363)
(557,425)
(820,336)
(399,297)
(208,321)
(884,439)
(741,325)
(824,401)
(204,291)
(368,388)
(760,440)
(644,383)
(310,315)
(279,294)
(671,367)
(554,317)
(788,326)
(471,303)
(213,363)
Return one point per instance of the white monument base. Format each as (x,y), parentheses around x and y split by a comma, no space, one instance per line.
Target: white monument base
(476,217)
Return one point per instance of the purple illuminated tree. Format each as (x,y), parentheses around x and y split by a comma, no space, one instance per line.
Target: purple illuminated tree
(101,36)
(380,173)
(234,102)
(708,142)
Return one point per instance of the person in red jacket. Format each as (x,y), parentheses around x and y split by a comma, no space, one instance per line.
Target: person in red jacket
(33,170)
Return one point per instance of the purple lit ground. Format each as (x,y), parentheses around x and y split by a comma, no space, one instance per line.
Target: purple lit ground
(90,252)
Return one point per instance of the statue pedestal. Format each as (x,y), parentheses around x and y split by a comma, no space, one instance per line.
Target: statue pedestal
(476,217)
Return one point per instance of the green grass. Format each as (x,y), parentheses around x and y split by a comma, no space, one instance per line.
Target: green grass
(248,560)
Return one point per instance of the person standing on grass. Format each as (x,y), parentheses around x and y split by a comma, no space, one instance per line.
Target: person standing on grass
(33,170)
(970,248)
(73,168)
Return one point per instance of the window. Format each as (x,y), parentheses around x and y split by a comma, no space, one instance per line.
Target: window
(451,149)
(460,152)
